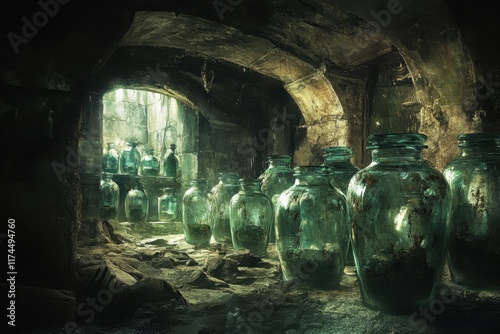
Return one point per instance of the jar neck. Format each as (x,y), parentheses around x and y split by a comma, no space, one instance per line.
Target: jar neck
(279,161)
(311,175)
(397,155)
(228,178)
(250,185)
(200,184)
(480,150)
(340,153)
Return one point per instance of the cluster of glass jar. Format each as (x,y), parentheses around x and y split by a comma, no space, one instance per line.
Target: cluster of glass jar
(130,161)
(235,212)
(407,218)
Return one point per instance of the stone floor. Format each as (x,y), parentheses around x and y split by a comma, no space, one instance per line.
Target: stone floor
(224,291)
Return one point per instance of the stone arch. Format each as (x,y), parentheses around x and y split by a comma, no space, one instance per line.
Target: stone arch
(307,85)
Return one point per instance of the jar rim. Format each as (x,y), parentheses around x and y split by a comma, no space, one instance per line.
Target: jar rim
(229,175)
(467,139)
(279,156)
(249,181)
(396,140)
(317,170)
(336,149)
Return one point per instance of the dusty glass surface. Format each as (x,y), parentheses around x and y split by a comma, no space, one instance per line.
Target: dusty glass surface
(222,193)
(251,218)
(474,177)
(312,232)
(196,214)
(275,179)
(399,209)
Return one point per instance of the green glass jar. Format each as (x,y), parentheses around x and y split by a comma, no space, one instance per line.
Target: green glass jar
(110,159)
(338,159)
(196,214)
(312,231)
(170,162)
(474,177)
(109,197)
(136,205)
(167,206)
(251,218)
(222,193)
(150,165)
(130,158)
(275,179)
(399,208)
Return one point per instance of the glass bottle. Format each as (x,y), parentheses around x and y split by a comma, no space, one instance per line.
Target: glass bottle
(170,162)
(474,177)
(221,196)
(110,159)
(251,218)
(196,214)
(109,197)
(136,205)
(399,209)
(167,206)
(275,179)
(130,158)
(312,230)
(338,159)
(149,166)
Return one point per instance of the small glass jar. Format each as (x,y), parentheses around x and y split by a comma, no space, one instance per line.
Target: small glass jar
(196,214)
(167,206)
(170,162)
(399,209)
(341,170)
(150,165)
(474,177)
(136,205)
(110,159)
(312,230)
(251,218)
(109,197)
(130,159)
(275,179)
(222,193)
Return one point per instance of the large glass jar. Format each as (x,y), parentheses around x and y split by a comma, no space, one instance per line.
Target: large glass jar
(136,205)
(312,230)
(170,162)
(275,179)
(150,165)
(251,218)
(167,206)
(399,209)
(196,214)
(109,197)
(110,159)
(474,246)
(222,193)
(338,159)
(130,158)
